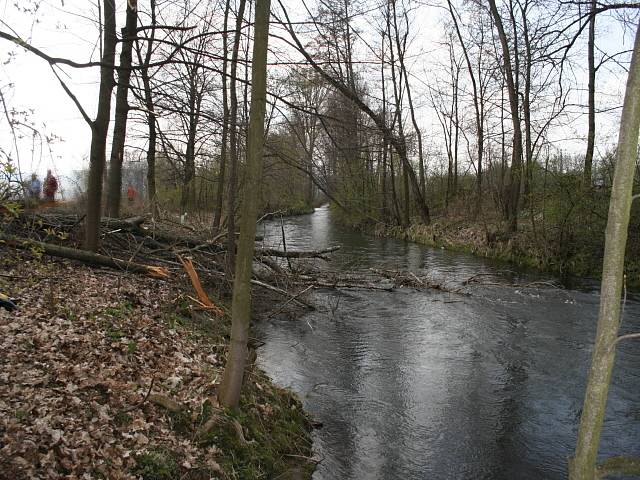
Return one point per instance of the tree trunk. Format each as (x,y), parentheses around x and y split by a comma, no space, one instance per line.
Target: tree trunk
(397,87)
(230,388)
(217,216)
(591,135)
(99,129)
(456,126)
(89,258)
(401,52)
(526,109)
(150,112)
(583,465)
(233,142)
(188,199)
(513,194)
(114,178)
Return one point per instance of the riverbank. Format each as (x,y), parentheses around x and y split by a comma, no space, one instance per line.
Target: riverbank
(526,248)
(108,374)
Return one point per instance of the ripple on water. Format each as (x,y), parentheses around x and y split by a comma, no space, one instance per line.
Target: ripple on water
(409,386)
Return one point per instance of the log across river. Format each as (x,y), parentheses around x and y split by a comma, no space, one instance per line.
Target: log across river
(431,385)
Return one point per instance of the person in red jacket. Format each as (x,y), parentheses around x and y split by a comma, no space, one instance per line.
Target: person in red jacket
(131,194)
(50,187)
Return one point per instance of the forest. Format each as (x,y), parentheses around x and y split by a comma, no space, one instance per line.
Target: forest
(232,163)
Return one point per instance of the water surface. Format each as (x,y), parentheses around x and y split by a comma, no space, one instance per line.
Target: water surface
(429,385)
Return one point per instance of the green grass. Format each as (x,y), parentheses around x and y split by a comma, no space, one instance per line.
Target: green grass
(160,464)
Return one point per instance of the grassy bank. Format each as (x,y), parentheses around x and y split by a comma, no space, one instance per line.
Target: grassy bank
(567,241)
(110,375)
(525,249)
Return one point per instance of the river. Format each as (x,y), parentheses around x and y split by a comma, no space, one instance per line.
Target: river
(430,385)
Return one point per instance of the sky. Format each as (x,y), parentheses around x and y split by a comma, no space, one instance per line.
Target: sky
(68,28)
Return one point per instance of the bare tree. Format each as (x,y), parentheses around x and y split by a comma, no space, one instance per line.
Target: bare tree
(591,134)
(583,465)
(513,195)
(99,129)
(233,139)
(231,386)
(217,216)
(114,187)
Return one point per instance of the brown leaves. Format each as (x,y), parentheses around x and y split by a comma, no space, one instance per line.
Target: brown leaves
(76,362)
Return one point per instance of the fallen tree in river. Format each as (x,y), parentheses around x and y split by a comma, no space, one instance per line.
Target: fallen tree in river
(167,249)
(155,248)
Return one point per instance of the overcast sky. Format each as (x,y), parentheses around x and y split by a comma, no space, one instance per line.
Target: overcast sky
(68,28)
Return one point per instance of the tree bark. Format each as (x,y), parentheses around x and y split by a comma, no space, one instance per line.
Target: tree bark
(99,129)
(114,177)
(591,134)
(229,394)
(233,142)
(217,216)
(583,465)
(90,258)
(513,194)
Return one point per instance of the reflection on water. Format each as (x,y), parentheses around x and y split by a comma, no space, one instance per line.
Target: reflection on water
(430,385)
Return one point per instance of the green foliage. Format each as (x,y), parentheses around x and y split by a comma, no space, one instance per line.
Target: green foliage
(119,311)
(10,186)
(158,464)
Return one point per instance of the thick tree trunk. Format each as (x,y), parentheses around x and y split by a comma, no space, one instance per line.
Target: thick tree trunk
(233,142)
(99,129)
(591,134)
(114,178)
(231,386)
(583,465)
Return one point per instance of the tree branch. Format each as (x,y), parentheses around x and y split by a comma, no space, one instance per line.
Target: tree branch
(72,97)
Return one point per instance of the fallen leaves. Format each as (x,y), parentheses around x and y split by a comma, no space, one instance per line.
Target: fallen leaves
(76,362)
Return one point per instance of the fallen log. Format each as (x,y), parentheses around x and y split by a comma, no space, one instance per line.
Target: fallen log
(270,252)
(84,256)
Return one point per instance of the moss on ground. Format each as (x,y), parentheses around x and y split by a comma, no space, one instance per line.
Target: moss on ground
(275,427)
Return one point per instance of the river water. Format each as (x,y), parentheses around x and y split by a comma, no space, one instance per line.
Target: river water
(430,385)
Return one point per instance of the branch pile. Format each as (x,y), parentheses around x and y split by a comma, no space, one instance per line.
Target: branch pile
(157,248)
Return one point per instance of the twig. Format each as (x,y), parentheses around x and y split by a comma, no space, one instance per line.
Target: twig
(291,300)
(628,336)
(146,397)
(268,215)
(281,292)
(284,241)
